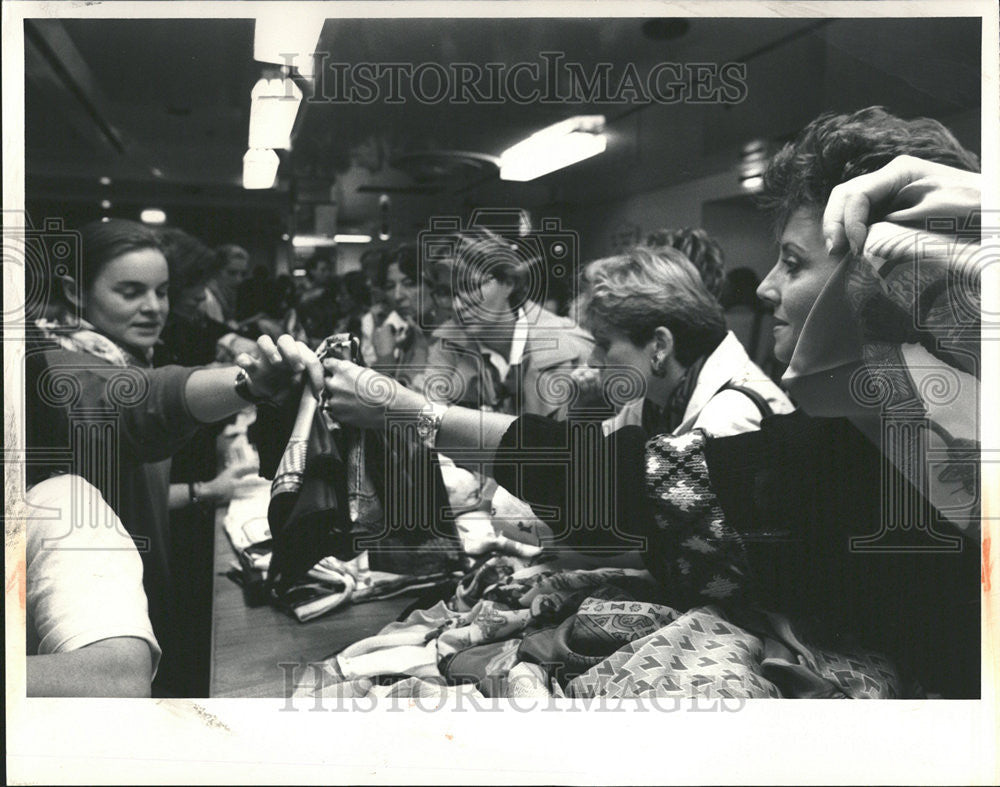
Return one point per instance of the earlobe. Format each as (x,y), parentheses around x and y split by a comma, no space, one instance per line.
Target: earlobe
(664,340)
(663,350)
(71,292)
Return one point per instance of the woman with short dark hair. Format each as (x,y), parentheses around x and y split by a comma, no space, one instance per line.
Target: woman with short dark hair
(654,321)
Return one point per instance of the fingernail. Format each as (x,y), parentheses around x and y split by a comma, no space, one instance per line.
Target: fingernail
(829,246)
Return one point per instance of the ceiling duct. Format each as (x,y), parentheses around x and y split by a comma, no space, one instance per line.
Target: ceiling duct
(438,170)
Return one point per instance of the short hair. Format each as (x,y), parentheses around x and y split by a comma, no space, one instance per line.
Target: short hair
(407,257)
(355,284)
(190,261)
(316,259)
(373,265)
(699,247)
(227,252)
(478,253)
(101,242)
(641,289)
(833,149)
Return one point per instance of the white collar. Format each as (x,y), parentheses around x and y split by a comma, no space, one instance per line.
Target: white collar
(728,362)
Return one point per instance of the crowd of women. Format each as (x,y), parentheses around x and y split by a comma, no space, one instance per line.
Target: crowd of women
(846,497)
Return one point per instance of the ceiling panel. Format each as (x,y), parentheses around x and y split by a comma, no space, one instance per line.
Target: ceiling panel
(175,94)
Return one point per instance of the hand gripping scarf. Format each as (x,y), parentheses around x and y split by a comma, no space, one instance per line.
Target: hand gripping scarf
(339,491)
(892,343)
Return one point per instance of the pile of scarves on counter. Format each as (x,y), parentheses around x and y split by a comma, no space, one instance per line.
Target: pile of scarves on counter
(357,515)
(545,627)
(331,583)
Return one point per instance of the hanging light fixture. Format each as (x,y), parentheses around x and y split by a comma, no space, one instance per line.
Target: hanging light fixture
(553,148)
(260,168)
(384,227)
(287,38)
(274,103)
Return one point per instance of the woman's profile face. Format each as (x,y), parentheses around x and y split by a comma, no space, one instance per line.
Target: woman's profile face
(615,354)
(187,303)
(233,274)
(795,282)
(128,300)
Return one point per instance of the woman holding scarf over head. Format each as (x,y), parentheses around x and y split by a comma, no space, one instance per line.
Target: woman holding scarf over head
(856,517)
(97,408)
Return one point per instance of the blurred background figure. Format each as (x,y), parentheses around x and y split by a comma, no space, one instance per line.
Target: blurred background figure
(442,295)
(189,336)
(400,342)
(353,300)
(701,250)
(500,350)
(750,319)
(317,307)
(279,312)
(221,292)
(253,293)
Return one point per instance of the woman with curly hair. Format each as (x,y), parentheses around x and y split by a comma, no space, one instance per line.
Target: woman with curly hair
(833,516)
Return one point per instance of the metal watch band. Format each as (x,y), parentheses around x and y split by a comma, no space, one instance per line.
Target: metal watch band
(242,389)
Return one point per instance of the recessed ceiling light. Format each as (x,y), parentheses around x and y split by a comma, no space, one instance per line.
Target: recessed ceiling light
(105,181)
(105,204)
(153,216)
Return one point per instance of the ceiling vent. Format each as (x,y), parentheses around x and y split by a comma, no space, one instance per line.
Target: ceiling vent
(439,170)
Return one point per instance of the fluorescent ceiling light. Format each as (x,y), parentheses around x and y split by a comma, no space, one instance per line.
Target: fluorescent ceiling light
(260,168)
(153,216)
(553,148)
(273,106)
(312,241)
(288,37)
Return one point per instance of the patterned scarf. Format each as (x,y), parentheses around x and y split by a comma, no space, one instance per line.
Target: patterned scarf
(82,337)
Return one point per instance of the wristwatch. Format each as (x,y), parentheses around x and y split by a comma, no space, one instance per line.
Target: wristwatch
(429,422)
(242,389)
